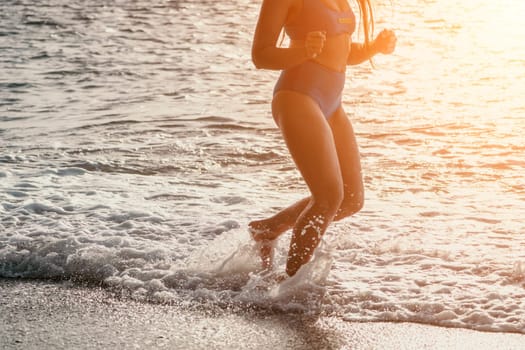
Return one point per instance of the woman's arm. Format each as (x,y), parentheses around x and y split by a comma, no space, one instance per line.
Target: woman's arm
(384,43)
(265,53)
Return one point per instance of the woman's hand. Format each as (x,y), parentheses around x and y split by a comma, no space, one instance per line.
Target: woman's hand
(314,43)
(385,42)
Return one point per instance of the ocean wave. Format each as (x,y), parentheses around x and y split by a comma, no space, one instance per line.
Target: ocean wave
(227,276)
(225,272)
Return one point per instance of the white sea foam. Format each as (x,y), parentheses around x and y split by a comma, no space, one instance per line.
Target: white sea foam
(226,270)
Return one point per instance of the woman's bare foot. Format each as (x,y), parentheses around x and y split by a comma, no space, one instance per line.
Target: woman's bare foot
(266,250)
(274,277)
(264,234)
(262,230)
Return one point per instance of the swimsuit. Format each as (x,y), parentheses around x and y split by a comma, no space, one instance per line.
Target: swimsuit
(321,83)
(316,16)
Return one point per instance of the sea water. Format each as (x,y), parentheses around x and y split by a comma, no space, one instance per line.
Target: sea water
(136,143)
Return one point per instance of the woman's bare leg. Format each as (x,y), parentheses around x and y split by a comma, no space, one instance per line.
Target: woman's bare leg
(350,163)
(349,160)
(268,229)
(274,226)
(312,147)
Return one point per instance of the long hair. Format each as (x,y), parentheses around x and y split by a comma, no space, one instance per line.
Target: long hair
(367,20)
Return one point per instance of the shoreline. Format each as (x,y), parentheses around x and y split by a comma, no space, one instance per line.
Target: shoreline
(36,314)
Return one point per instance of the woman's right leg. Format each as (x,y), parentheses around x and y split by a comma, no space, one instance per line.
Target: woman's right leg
(311,144)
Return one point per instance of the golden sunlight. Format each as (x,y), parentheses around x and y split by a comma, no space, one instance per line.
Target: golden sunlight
(501,23)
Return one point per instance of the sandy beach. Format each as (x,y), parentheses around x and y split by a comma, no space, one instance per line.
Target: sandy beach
(48,315)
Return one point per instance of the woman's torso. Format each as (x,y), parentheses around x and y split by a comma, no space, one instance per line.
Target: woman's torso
(334,17)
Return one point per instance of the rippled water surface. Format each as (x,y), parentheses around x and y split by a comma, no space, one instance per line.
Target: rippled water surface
(136,143)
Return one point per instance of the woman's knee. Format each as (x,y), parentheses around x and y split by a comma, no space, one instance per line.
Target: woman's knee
(330,197)
(352,203)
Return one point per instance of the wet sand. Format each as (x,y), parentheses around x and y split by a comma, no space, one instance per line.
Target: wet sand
(47,315)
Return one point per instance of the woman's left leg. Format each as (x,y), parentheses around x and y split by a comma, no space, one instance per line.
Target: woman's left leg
(349,162)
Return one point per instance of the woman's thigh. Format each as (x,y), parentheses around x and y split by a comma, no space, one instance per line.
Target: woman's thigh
(347,152)
(310,141)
